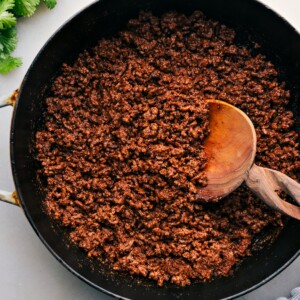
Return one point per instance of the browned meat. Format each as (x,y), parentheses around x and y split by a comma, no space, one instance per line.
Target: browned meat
(122,154)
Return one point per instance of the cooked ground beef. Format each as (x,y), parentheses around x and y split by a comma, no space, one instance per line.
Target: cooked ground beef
(122,148)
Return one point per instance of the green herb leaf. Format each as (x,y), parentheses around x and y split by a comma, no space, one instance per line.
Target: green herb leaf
(7,19)
(8,63)
(8,40)
(50,3)
(9,9)
(25,8)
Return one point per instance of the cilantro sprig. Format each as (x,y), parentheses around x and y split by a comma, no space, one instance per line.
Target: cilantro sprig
(7,19)
(10,11)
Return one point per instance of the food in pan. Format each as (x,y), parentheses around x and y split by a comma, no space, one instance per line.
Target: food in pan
(122,152)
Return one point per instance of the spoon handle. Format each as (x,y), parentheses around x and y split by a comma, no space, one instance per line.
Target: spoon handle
(265,182)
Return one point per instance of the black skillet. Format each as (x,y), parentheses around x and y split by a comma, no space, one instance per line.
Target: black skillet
(280,42)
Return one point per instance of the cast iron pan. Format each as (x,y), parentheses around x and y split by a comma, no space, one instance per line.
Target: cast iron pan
(280,42)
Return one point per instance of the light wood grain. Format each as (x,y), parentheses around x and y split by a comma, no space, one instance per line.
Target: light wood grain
(265,183)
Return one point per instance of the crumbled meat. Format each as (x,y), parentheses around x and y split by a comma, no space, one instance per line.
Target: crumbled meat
(122,148)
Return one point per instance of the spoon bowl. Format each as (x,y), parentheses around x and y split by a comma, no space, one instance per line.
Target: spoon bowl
(230,149)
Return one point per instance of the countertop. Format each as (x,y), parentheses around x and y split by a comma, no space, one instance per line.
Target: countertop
(27,270)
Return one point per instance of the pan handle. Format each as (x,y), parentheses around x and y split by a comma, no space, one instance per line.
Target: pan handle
(7,100)
(9,197)
(5,196)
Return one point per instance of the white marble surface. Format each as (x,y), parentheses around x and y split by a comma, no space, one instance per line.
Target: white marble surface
(27,270)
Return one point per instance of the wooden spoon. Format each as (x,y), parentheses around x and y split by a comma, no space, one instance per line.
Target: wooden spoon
(231,148)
